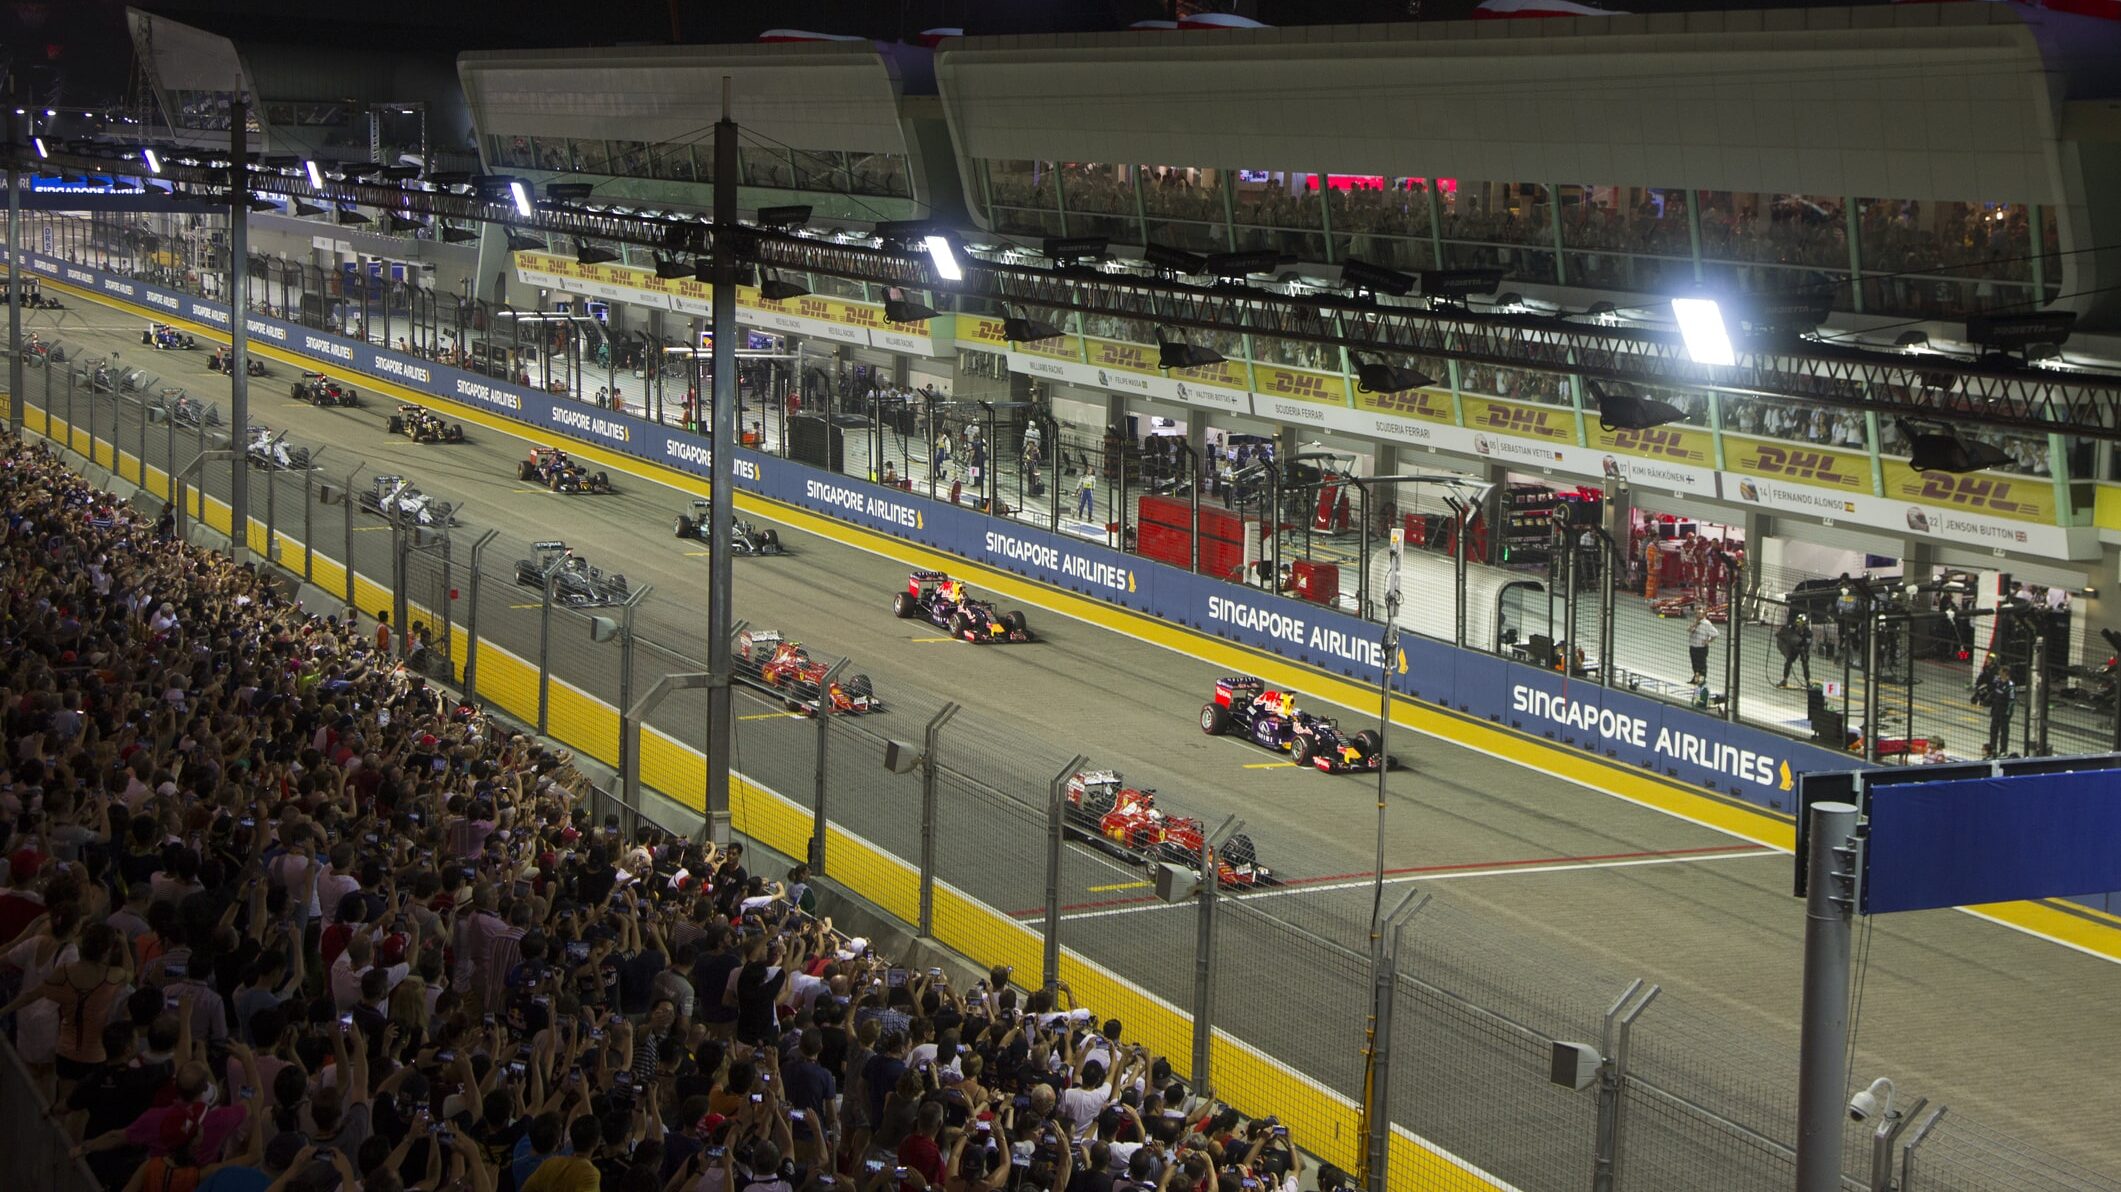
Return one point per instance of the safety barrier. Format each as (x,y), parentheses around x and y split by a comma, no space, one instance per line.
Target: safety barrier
(1672,742)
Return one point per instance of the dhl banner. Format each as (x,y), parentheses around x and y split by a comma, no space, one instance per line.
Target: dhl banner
(1782,463)
(839,319)
(1555,423)
(1300,384)
(1992,494)
(1426,405)
(1675,444)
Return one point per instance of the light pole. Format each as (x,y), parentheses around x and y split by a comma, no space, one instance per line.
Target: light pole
(720,510)
(1384,717)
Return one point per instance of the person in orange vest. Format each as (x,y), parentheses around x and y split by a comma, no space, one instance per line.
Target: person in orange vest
(383,631)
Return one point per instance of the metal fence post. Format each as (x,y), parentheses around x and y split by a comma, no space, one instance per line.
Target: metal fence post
(928,746)
(1823,1065)
(545,640)
(817,794)
(1890,1127)
(603,629)
(309,540)
(1056,834)
(1612,1084)
(1384,986)
(2036,687)
(1734,622)
(1204,955)
(471,618)
(1873,620)
(401,541)
(351,504)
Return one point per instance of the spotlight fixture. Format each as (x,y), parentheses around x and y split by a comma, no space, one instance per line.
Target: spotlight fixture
(586,253)
(405,223)
(1912,340)
(1076,250)
(39,143)
(399,173)
(793,216)
(352,215)
(302,208)
(1621,410)
(1175,261)
(452,234)
(780,289)
(1934,448)
(899,309)
(1457,285)
(568,192)
(1237,266)
(1363,277)
(1177,353)
(316,176)
(1708,339)
(154,163)
(521,194)
(518,242)
(1377,376)
(945,254)
(670,269)
(258,204)
(361,169)
(1025,330)
(2007,333)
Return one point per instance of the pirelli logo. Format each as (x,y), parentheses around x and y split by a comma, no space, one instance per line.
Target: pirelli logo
(1972,492)
(1822,467)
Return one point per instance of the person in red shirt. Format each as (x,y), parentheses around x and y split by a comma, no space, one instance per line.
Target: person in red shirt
(920,1151)
(383,632)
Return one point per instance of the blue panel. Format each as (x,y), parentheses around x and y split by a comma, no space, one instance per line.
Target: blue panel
(1993,840)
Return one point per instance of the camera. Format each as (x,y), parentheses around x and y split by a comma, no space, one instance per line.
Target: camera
(1868,1104)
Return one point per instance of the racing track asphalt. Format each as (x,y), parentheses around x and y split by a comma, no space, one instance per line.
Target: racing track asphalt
(1999,1025)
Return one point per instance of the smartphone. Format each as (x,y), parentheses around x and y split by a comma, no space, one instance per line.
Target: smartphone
(248,822)
(624,1079)
(757,1097)
(174,969)
(765,1078)
(439,764)
(895,978)
(716,1152)
(345,1020)
(446,1057)
(446,1136)
(935,972)
(515,1068)
(898,1173)
(488,1016)
(872,1166)
(246,1092)
(324,1153)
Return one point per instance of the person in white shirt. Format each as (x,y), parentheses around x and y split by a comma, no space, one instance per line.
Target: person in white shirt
(354,962)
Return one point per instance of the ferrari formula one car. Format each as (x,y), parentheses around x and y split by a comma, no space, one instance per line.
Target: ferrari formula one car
(1269,719)
(423,425)
(576,583)
(787,667)
(745,538)
(163,337)
(1125,820)
(320,390)
(388,495)
(946,603)
(556,470)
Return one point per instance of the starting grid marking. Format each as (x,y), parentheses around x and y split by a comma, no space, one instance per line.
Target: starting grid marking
(1437,873)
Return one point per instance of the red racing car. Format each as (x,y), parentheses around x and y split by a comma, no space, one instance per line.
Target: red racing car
(1126,820)
(788,668)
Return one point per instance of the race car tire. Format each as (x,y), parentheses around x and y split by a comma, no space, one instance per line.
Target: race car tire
(525,470)
(394,425)
(456,432)
(1300,751)
(858,687)
(1238,852)
(959,627)
(603,482)
(770,540)
(686,527)
(903,607)
(1013,621)
(1214,719)
(1366,742)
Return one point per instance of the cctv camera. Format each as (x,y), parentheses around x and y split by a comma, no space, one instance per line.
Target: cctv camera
(1867,1103)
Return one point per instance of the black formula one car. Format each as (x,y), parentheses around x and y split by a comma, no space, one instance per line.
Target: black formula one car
(320,390)
(576,583)
(423,425)
(947,604)
(556,470)
(745,538)
(1246,707)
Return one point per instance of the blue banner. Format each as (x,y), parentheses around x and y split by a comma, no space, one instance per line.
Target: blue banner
(1978,840)
(1679,743)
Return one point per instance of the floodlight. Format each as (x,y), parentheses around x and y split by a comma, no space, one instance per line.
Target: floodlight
(905,310)
(302,208)
(456,235)
(567,192)
(39,143)
(1932,447)
(352,215)
(589,254)
(780,289)
(405,223)
(1459,284)
(2017,332)
(1376,279)
(518,242)
(316,176)
(1912,340)
(1235,266)
(521,194)
(1376,376)
(794,216)
(1620,410)
(1019,331)
(670,269)
(944,255)
(1708,340)
(1074,250)
(1175,260)
(154,163)
(1177,353)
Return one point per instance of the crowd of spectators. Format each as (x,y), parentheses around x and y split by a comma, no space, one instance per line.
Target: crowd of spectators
(278,915)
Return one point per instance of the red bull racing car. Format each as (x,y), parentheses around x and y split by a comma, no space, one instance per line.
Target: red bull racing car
(787,667)
(948,604)
(1125,820)
(1245,706)
(558,471)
